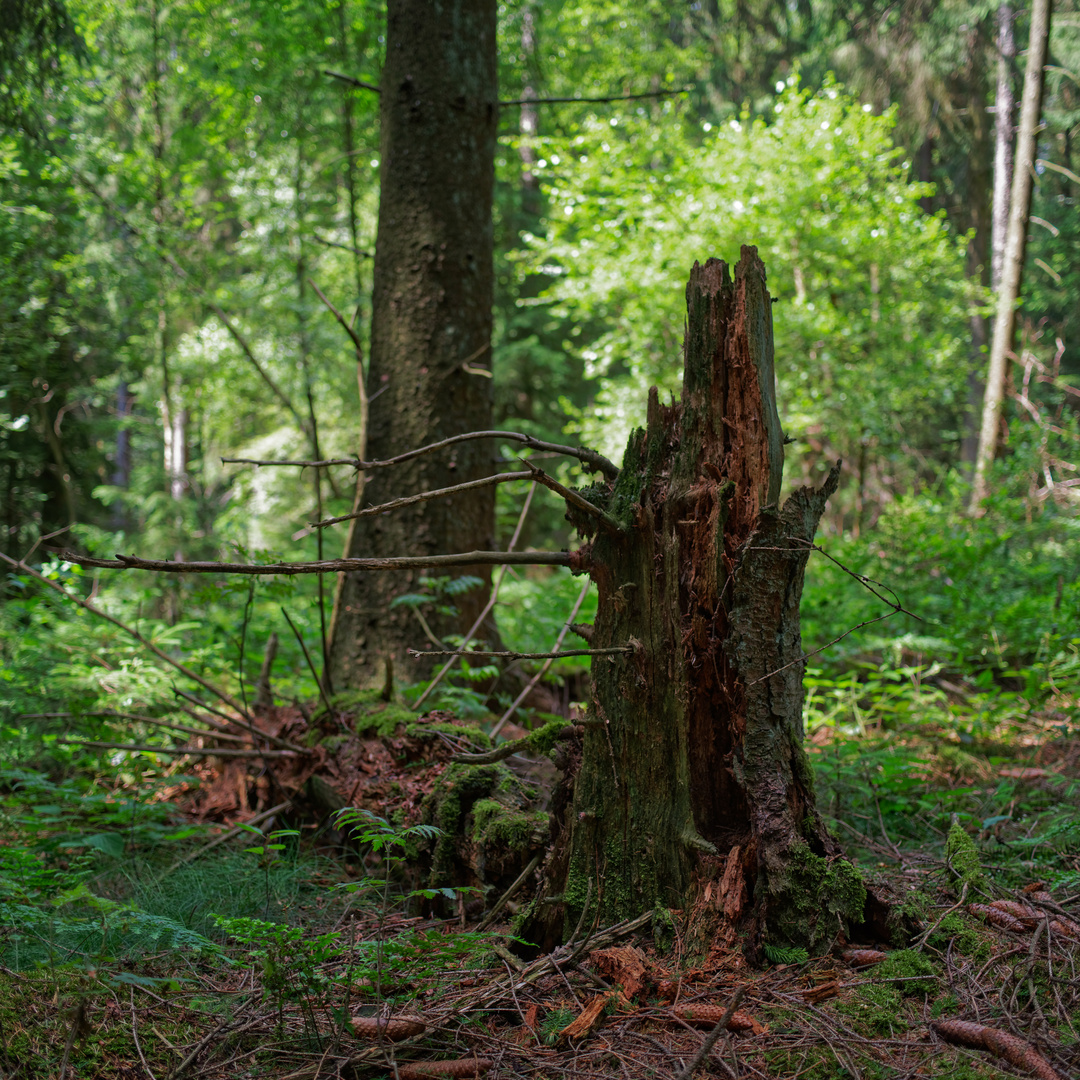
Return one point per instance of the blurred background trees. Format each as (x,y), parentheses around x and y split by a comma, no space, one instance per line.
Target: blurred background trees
(172,178)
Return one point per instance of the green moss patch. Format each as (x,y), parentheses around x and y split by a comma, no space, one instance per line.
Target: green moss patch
(818,899)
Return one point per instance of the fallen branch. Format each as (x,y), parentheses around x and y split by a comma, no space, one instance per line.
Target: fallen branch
(507,749)
(326,566)
(425,496)
(509,894)
(213,732)
(246,725)
(596,461)
(178,751)
(159,653)
(191,856)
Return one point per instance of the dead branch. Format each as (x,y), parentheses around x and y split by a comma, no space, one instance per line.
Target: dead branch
(178,751)
(594,100)
(544,667)
(274,740)
(159,653)
(352,81)
(425,496)
(213,732)
(596,461)
(341,319)
(327,566)
(311,666)
(487,607)
(522,655)
(264,695)
(191,856)
(574,499)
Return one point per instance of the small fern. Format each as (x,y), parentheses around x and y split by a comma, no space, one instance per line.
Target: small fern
(785,954)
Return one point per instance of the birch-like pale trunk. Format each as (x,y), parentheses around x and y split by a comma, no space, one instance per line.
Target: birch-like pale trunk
(1013,262)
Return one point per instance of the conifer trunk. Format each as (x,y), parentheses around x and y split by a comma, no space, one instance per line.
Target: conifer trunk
(692,769)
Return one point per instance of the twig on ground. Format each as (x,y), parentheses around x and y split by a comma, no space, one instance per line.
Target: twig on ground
(509,894)
(713,1036)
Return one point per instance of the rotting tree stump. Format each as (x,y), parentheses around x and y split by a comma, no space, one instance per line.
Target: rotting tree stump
(693,784)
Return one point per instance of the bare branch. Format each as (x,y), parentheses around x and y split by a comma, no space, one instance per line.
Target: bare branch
(596,461)
(178,751)
(352,81)
(212,732)
(160,654)
(523,655)
(593,100)
(344,247)
(311,666)
(327,566)
(424,496)
(492,599)
(340,318)
(274,740)
(574,499)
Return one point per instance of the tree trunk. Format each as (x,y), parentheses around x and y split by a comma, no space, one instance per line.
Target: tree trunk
(1012,268)
(692,768)
(431,322)
(1004,110)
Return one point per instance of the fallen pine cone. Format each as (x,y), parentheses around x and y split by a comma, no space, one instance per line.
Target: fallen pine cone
(1027,915)
(862,957)
(461,1068)
(1065,929)
(996,917)
(393,1028)
(1014,1050)
(713,1014)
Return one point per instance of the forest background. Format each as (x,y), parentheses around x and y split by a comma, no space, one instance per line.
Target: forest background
(183,188)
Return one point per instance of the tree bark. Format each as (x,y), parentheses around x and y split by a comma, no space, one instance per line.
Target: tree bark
(1004,110)
(1012,268)
(692,768)
(431,321)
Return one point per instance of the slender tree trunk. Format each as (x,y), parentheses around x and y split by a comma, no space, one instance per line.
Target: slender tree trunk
(1013,265)
(431,319)
(979,185)
(1004,134)
(692,769)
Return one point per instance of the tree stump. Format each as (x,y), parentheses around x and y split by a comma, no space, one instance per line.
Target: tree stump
(692,780)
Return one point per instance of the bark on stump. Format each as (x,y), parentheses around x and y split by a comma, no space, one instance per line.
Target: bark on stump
(692,768)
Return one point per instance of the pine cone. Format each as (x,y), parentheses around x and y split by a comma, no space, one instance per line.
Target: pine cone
(461,1068)
(393,1028)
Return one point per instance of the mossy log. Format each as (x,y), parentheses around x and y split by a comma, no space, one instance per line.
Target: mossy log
(692,767)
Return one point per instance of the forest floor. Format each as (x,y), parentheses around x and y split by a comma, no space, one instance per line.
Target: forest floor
(316,966)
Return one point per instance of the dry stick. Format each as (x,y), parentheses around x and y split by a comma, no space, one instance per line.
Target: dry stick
(86,606)
(424,496)
(352,81)
(524,655)
(214,730)
(487,607)
(233,832)
(574,499)
(213,733)
(543,670)
(178,751)
(594,100)
(311,666)
(597,461)
(135,1036)
(327,566)
(276,740)
(508,895)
